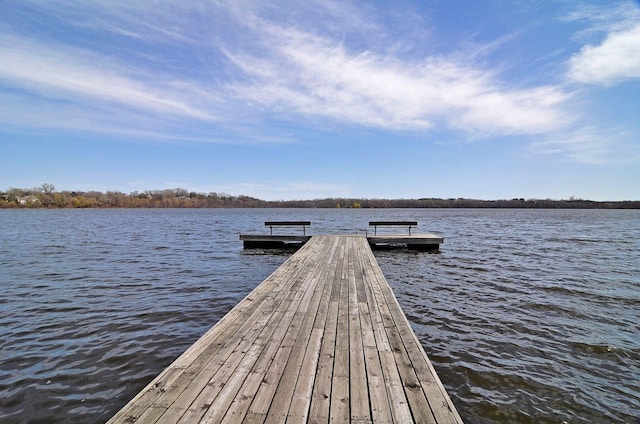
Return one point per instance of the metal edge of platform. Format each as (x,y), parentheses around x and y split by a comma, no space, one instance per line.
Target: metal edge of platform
(273,241)
(429,242)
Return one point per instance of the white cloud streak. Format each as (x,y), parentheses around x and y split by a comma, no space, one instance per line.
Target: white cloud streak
(590,145)
(64,73)
(285,71)
(310,75)
(278,190)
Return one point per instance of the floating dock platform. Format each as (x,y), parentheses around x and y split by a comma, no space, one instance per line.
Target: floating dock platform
(322,339)
(413,242)
(430,242)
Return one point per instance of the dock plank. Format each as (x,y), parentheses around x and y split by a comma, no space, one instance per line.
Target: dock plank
(301,402)
(322,339)
(360,406)
(321,396)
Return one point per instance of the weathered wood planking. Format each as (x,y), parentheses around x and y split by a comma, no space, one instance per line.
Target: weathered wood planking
(322,339)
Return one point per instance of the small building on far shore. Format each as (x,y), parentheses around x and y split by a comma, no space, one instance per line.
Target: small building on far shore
(27,200)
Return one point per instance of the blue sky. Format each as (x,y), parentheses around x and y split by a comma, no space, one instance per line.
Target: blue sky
(303,100)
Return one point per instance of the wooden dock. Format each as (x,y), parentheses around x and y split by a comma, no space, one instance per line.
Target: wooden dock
(322,339)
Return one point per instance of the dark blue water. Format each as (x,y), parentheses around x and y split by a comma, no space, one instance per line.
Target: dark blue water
(529,316)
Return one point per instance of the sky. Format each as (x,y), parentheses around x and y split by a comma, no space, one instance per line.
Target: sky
(284,100)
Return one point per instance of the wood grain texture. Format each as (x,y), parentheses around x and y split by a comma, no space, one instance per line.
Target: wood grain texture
(322,339)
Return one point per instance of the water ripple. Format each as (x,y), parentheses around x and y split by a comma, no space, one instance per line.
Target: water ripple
(528,316)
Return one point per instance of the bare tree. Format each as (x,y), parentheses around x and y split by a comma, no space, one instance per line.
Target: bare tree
(47,188)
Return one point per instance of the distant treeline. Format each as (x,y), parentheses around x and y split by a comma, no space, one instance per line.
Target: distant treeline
(46,196)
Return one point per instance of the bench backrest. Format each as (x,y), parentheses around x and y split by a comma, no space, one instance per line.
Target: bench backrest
(303,224)
(287,223)
(376,224)
(393,223)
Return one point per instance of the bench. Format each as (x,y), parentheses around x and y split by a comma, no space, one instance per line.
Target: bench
(376,224)
(303,224)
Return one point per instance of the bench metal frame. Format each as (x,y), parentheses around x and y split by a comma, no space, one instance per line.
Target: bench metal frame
(303,224)
(408,224)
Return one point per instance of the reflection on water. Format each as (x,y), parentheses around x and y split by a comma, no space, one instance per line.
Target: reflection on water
(527,315)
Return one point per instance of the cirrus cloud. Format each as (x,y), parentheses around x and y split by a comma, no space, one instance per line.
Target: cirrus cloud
(307,74)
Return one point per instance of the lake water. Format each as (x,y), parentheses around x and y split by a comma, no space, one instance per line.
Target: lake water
(529,316)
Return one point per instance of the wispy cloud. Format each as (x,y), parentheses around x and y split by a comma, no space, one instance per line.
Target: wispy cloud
(591,145)
(63,73)
(318,61)
(286,71)
(307,74)
(279,190)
